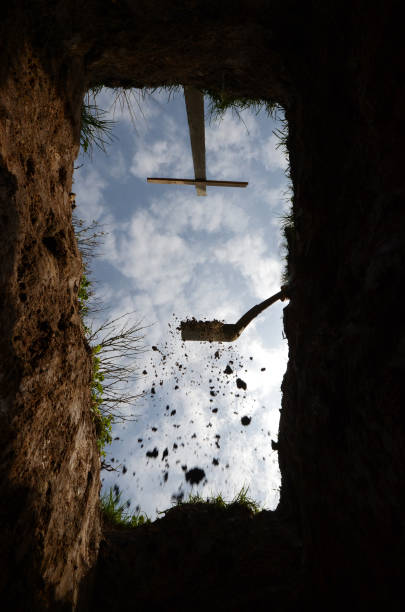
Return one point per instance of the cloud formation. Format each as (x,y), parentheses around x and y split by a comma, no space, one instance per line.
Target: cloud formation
(211,257)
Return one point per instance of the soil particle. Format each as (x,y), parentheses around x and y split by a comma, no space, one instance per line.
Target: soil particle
(241,384)
(178,497)
(245,420)
(228,370)
(153,453)
(195,475)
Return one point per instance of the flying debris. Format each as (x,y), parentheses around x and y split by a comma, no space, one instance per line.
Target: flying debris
(171,376)
(195,475)
(241,384)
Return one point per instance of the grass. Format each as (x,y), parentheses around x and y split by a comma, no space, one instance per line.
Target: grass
(288,232)
(220,103)
(115,345)
(95,129)
(218,501)
(115,512)
(102,422)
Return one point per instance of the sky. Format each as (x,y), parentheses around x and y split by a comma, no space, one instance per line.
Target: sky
(169,255)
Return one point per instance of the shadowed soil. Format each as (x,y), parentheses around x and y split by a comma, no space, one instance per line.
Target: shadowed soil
(199,556)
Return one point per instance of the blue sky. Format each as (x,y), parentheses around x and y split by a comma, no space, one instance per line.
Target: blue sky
(169,255)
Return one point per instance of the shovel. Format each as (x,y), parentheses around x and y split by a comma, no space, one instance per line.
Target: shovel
(216,331)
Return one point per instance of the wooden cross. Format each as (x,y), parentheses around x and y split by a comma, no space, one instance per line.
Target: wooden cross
(195,115)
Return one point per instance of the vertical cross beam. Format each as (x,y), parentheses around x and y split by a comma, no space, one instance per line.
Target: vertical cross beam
(195,116)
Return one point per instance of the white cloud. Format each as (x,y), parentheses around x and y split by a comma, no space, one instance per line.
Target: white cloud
(168,156)
(204,257)
(89,186)
(248,254)
(230,147)
(182,211)
(117,167)
(272,155)
(159,261)
(232,132)
(276,197)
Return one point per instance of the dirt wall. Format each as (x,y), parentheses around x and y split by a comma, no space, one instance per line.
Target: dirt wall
(49,476)
(341,443)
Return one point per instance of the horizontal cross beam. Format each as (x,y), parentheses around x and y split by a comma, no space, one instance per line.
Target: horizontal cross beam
(179,181)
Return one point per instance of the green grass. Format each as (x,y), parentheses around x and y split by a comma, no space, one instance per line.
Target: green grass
(115,512)
(288,233)
(220,103)
(103,423)
(95,129)
(218,501)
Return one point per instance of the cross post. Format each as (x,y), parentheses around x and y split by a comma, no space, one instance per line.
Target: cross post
(195,116)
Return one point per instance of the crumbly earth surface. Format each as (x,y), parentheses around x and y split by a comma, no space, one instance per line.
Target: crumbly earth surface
(50,464)
(337,68)
(200,556)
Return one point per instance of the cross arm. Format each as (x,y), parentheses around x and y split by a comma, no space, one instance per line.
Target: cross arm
(180,181)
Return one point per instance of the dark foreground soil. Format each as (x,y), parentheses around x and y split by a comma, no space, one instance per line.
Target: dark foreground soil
(200,557)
